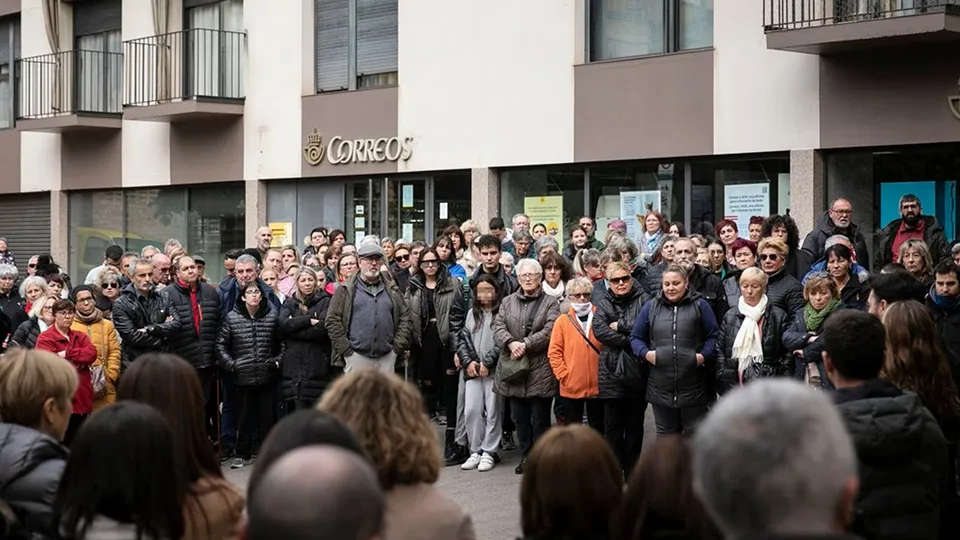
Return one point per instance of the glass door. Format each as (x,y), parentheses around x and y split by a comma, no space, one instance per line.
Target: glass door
(407,209)
(362,215)
(99,76)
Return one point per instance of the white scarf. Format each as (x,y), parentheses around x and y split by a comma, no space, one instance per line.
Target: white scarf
(556,292)
(748,346)
(585,326)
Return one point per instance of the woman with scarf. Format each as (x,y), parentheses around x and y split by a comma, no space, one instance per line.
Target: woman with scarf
(654,229)
(750,344)
(89,320)
(556,272)
(305,369)
(574,355)
(822,298)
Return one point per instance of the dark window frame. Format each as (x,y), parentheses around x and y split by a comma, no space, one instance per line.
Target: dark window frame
(671,24)
(7,68)
(354,79)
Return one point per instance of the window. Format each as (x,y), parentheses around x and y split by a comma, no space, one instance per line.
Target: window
(552,196)
(717,185)
(9,52)
(626,28)
(657,186)
(356,44)
(214,50)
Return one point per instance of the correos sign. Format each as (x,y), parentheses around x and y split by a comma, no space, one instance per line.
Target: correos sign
(340,151)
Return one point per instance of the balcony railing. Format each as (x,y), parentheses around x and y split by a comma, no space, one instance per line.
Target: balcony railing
(796,14)
(69,82)
(190,64)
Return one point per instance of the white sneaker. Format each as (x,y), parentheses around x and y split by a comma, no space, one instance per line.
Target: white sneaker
(472,462)
(486,463)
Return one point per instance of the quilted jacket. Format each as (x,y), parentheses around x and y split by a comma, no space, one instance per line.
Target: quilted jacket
(248,346)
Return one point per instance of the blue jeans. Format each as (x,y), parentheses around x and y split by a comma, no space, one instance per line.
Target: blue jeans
(228,422)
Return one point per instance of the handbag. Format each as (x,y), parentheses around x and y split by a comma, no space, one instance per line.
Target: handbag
(511,371)
(98,376)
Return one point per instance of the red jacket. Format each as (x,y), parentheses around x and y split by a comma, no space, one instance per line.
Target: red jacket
(81,353)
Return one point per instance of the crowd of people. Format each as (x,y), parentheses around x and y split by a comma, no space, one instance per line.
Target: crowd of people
(494,335)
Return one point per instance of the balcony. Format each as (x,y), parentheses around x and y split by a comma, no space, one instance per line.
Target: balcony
(187,75)
(839,26)
(69,91)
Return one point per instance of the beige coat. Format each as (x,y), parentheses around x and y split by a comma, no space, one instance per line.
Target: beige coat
(215,512)
(422,512)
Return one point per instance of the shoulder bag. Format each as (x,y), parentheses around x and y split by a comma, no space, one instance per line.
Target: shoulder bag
(98,375)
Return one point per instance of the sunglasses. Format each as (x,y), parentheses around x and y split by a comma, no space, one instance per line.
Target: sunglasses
(769,257)
(620,280)
(432,262)
(580,296)
(402,257)
(34,265)
(111,285)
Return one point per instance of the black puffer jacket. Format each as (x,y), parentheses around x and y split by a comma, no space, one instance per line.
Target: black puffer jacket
(26,335)
(12,305)
(731,287)
(902,457)
(622,310)
(31,465)
(653,279)
(710,288)
(777,361)
(948,326)
(785,292)
(676,333)
(306,369)
(249,347)
(133,311)
(200,350)
(449,307)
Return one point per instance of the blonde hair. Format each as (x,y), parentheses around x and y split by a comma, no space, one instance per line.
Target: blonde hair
(614,267)
(470,225)
(755,275)
(920,247)
(820,282)
(36,309)
(386,414)
(580,284)
(27,379)
(775,244)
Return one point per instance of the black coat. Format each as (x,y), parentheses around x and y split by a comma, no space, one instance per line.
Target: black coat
(777,361)
(12,305)
(305,369)
(815,243)
(948,326)
(198,350)
(785,292)
(131,312)
(653,279)
(26,334)
(449,307)
(248,347)
(31,464)
(932,234)
(507,284)
(902,458)
(710,289)
(623,311)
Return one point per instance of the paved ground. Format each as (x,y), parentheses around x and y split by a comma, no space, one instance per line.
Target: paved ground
(491,498)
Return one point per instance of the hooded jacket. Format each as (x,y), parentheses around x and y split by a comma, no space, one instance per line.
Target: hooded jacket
(248,346)
(305,369)
(133,311)
(902,457)
(449,307)
(933,235)
(197,349)
(616,343)
(509,325)
(676,333)
(815,243)
(777,361)
(31,464)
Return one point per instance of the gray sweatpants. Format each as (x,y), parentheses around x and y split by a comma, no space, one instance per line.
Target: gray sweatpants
(357,361)
(483,414)
(460,435)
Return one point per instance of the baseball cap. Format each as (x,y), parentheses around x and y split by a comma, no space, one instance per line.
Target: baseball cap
(369,249)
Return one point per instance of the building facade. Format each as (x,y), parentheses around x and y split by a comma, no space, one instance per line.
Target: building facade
(132,121)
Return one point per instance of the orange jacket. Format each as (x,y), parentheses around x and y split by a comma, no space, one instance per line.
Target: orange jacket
(575,364)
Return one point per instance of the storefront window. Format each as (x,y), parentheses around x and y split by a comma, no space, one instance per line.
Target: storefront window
(407,208)
(627,28)
(216,225)
(874,181)
(362,214)
(451,196)
(552,196)
(640,187)
(738,190)
(96,222)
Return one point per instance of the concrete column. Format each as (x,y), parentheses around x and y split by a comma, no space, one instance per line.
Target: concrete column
(807,188)
(485,196)
(60,230)
(255,199)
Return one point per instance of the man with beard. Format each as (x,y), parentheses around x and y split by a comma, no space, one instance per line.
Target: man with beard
(943,301)
(368,321)
(142,317)
(701,280)
(913,224)
(837,220)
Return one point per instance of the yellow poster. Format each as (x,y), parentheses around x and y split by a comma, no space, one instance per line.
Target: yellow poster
(546,210)
(282,233)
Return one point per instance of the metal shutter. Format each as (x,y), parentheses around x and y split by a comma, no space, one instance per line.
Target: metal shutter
(332,35)
(376,36)
(96,16)
(25,223)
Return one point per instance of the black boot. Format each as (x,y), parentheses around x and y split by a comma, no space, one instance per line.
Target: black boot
(519,469)
(453,453)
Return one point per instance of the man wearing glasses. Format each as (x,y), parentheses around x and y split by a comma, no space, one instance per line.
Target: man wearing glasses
(837,220)
(912,224)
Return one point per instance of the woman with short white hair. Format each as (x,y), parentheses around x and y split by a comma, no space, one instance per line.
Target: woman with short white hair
(31,289)
(750,341)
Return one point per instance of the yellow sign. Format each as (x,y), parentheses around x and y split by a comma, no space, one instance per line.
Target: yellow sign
(282,233)
(546,210)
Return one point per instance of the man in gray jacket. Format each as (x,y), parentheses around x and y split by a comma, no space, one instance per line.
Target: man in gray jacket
(368,322)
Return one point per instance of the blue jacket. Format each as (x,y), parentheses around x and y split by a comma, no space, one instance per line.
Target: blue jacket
(821,266)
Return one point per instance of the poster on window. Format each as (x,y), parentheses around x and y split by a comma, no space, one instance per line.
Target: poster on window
(741,201)
(546,210)
(282,233)
(634,205)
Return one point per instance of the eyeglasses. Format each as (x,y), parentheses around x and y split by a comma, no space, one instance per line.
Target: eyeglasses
(620,280)
(580,296)
(64,314)
(111,285)
(769,256)
(34,265)
(843,212)
(528,277)
(430,263)
(47,308)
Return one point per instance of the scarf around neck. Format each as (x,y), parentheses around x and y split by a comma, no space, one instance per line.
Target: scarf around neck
(91,319)
(946,303)
(748,345)
(556,292)
(652,240)
(813,318)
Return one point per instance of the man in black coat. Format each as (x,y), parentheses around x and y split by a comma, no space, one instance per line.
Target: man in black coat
(197,306)
(701,280)
(943,301)
(490,248)
(837,220)
(901,451)
(912,224)
(142,317)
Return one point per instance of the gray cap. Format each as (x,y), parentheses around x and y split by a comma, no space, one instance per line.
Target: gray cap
(369,249)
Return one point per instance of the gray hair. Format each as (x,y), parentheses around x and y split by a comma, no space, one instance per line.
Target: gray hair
(146,249)
(33,280)
(528,264)
(515,216)
(838,239)
(385,240)
(371,238)
(619,242)
(545,241)
(106,273)
(585,258)
(522,234)
(786,460)
(172,243)
(579,284)
(248,259)
(8,270)
(506,257)
(140,261)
